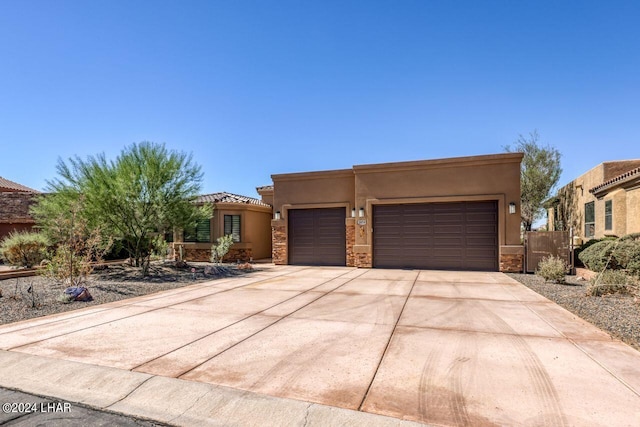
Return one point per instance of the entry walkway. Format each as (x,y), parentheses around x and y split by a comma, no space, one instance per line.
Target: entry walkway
(322,346)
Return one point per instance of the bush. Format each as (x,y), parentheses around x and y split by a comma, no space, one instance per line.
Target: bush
(577,251)
(627,256)
(221,249)
(610,282)
(24,248)
(602,289)
(598,255)
(67,267)
(552,268)
(621,254)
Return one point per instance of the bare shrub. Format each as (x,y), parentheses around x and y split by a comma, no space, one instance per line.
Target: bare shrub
(552,268)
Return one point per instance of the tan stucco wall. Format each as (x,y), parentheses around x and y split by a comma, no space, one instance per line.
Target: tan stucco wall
(581,186)
(492,177)
(495,177)
(266,194)
(633,211)
(313,188)
(624,201)
(619,210)
(255,231)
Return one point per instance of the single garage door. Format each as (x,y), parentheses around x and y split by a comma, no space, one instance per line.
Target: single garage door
(437,236)
(317,236)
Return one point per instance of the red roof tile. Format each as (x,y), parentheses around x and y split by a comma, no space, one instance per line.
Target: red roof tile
(6,185)
(224,197)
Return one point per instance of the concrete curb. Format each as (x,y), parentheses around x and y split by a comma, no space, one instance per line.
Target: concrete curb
(169,400)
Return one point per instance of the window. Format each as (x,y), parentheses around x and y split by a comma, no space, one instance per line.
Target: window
(232,226)
(589,219)
(201,233)
(608,215)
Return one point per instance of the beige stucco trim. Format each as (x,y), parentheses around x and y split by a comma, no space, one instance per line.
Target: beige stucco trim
(456,162)
(512,250)
(287,207)
(296,176)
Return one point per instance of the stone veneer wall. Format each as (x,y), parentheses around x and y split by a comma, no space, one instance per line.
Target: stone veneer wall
(363,260)
(197,255)
(204,255)
(279,244)
(511,263)
(14,206)
(351,240)
(235,255)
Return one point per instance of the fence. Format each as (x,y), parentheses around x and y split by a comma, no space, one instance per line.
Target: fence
(540,244)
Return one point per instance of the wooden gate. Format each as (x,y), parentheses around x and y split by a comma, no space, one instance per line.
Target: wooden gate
(540,244)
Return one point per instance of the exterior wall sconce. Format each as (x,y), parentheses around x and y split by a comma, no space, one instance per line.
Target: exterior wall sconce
(512,207)
(361,214)
(353,213)
(277,215)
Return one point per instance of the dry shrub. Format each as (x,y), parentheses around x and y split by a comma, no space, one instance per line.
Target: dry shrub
(552,268)
(611,282)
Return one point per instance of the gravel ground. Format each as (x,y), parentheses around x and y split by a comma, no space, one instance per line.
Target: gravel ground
(619,315)
(29,297)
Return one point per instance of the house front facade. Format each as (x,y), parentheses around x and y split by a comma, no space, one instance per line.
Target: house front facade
(245,218)
(605,201)
(15,202)
(458,213)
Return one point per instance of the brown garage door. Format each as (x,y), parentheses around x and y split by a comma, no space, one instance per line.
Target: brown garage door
(438,236)
(317,236)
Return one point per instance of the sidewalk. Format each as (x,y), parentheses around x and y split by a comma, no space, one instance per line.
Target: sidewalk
(30,410)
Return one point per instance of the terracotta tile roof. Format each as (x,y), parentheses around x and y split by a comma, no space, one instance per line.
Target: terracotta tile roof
(615,180)
(265,188)
(224,197)
(7,185)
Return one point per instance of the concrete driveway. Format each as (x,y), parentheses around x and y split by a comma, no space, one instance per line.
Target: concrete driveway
(443,348)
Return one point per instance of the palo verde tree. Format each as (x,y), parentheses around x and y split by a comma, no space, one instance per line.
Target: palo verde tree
(539,174)
(147,190)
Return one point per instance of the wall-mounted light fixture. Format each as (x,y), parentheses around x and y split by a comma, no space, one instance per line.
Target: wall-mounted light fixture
(353,213)
(361,214)
(512,207)
(277,215)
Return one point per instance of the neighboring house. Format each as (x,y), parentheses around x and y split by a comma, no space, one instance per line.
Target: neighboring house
(604,201)
(458,213)
(245,218)
(15,202)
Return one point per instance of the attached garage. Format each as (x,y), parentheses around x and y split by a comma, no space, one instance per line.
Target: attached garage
(443,214)
(438,236)
(317,236)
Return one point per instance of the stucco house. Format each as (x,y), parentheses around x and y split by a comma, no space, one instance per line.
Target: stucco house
(15,202)
(456,213)
(605,201)
(245,218)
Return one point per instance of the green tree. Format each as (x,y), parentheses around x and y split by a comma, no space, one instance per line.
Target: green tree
(539,174)
(145,191)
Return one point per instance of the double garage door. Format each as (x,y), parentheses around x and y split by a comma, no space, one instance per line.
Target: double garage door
(438,236)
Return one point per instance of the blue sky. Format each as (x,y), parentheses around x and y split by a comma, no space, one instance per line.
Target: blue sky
(254,88)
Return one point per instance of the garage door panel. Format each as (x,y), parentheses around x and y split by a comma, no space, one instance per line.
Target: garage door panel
(459,235)
(317,236)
